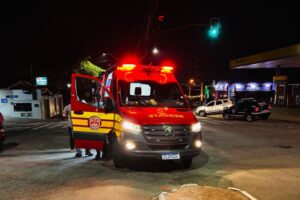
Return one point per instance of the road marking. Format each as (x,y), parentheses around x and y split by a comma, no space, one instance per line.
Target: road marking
(209,121)
(224,122)
(39,127)
(52,127)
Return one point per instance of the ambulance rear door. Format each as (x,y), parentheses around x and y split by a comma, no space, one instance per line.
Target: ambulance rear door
(92,111)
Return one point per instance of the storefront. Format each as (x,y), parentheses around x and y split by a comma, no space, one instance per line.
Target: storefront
(236,91)
(286,82)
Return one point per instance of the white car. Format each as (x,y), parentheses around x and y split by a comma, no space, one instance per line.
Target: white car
(213,107)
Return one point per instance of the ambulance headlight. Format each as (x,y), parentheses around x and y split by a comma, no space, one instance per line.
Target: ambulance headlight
(129,126)
(196,127)
(130,145)
(198,143)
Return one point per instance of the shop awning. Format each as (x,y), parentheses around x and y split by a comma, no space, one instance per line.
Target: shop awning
(287,57)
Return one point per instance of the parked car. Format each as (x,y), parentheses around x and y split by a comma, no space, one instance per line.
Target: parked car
(248,109)
(2,132)
(213,107)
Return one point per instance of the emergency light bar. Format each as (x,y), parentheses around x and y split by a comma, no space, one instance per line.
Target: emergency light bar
(166,69)
(127,67)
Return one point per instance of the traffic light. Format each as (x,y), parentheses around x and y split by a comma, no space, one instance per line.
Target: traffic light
(214,28)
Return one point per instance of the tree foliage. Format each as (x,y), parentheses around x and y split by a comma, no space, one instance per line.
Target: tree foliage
(87,67)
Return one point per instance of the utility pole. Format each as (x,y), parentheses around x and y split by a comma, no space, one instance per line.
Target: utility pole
(34,95)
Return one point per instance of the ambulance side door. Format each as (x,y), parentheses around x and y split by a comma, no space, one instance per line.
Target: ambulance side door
(92,112)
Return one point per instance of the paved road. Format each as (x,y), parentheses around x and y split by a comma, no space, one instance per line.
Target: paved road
(261,157)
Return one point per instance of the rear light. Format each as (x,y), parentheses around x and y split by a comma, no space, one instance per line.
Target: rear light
(127,67)
(166,69)
(269,107)
(256,109)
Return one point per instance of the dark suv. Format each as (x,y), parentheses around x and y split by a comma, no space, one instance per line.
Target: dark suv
(248,109)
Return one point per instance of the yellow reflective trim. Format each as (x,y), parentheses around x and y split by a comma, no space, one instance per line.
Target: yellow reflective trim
(118,133)
(118,118)
(107,124)
(88,129)
(118,126)
(86,115)
(82,122)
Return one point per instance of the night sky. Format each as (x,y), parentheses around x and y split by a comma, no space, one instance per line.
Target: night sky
(53,36)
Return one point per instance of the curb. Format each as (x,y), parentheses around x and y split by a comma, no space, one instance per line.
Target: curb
(244,194)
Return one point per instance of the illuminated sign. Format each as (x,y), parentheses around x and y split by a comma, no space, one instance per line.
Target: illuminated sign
(221,86)
(253,87)
(41,81)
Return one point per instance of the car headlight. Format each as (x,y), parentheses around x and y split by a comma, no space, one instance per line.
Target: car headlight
(196,127)
(128,126)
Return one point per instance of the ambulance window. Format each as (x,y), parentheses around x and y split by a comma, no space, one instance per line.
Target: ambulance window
(108,83)
(145,89)
(87,91)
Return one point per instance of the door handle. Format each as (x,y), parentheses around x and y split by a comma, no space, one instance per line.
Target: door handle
(78,112)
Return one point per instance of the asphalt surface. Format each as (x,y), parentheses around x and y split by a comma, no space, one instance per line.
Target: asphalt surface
(261,157)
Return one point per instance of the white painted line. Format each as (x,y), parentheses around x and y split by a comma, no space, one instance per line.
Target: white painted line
(223,122)
(39,127)
(52,127)
(208,121)
(249,196)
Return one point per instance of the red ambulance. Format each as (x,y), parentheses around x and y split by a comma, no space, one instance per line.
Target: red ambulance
(134,111)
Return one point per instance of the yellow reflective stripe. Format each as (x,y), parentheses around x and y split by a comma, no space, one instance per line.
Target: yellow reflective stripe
(82,122)
(102,116)
(107,124)
(118,118)
(88,129)
(118,133)
(118,126)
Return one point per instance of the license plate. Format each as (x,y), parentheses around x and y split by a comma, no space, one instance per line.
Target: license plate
(170,156)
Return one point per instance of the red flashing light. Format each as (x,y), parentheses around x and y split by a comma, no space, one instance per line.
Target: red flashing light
(166,69)
(127,67)
(161,18)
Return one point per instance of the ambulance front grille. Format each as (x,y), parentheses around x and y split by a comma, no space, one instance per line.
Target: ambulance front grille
(167,134)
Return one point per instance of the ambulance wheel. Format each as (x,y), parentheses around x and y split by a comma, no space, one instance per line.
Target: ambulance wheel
(186,162)
(117,155)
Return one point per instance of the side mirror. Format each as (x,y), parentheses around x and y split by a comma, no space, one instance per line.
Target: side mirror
(108,105)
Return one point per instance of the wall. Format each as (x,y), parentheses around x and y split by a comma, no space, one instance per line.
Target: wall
(12,101)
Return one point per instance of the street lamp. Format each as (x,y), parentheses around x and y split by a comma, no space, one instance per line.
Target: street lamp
(191,82)
(154,51)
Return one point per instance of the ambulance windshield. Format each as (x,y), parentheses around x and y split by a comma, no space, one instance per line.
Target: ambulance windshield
(150,94)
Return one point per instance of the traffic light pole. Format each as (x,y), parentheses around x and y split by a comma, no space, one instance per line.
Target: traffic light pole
(177,28)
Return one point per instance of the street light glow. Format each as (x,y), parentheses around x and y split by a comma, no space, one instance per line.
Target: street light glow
(191,81)
(155,51)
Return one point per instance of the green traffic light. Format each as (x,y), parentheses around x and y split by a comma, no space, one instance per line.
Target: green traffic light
(214,30)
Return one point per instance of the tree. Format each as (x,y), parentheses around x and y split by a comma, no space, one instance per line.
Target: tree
(87,67)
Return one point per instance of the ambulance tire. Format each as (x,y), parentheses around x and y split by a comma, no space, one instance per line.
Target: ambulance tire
(117,155)
(186,162)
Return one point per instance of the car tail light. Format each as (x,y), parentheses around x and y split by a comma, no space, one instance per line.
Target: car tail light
(256,109)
